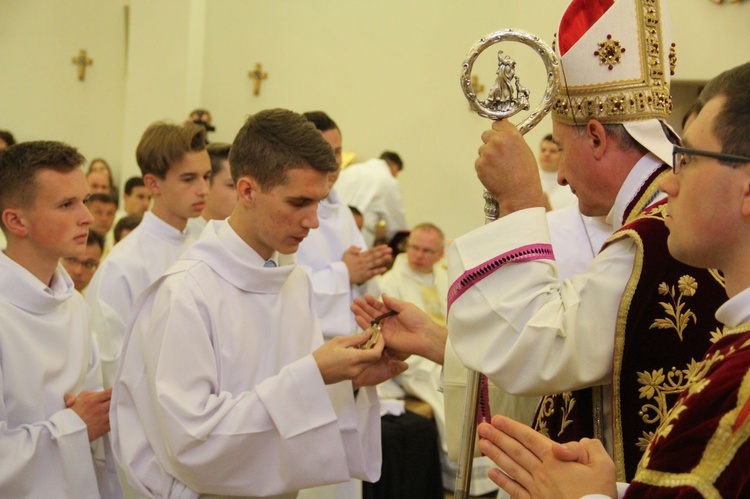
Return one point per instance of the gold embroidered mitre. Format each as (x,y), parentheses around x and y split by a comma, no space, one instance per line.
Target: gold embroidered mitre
(616,58)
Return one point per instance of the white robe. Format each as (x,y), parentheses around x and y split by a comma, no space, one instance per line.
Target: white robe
(374,191)
(423,379)
(137,261)
(218,393)
(576,239)
(527,332)
(46,351)
(320,256)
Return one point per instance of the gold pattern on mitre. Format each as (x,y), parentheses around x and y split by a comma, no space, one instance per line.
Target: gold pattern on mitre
(635,87)
(609,52)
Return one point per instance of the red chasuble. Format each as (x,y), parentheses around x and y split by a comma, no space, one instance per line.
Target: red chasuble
(665,325)
(702,449)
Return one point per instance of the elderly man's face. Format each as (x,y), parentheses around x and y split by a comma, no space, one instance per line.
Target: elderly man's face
(588,178)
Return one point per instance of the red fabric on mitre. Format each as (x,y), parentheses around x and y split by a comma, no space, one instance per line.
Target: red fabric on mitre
(577,19)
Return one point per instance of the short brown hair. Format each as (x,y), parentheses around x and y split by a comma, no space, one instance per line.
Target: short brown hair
(274,141)
(731,125)
(21,163)
(218,152)
(128,222)
(164,143)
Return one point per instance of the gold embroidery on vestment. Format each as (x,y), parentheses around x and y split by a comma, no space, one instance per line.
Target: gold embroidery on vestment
(678,319)
(721,448)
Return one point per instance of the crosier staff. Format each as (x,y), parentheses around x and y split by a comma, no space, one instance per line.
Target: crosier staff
(506,98)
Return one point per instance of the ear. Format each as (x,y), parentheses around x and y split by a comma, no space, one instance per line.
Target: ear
(14,222)
(745,207)
(247,189)
(153,183)
(597,138)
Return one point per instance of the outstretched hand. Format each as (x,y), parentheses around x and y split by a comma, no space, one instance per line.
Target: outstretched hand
(341,359)
(535,466)
(411,331)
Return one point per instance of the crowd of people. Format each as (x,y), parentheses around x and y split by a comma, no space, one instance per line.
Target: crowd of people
(225,327)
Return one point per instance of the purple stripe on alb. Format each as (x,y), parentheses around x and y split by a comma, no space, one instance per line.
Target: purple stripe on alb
(472,276)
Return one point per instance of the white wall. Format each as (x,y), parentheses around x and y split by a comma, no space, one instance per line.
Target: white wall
(386,71)
(40,95)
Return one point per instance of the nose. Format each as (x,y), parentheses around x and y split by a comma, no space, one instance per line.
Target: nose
(86,217)
(669,184)
(310,220)
(203,186)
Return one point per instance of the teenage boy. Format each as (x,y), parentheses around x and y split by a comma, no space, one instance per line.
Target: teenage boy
(175,167)
(53,412)
(226,387)
(221,196)
(136,198)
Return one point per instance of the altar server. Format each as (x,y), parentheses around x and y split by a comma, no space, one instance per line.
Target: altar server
(53,411)
(175,167)
(226,387)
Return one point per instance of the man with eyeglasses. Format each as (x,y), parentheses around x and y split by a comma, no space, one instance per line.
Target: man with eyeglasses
(702,447)
(419,276)
(81,268)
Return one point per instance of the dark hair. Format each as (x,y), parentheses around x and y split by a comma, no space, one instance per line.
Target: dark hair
(321,120)
(21,163)
(272,142)
(128,222)
(163,143)
(196,116)
(102,198)
(693,110)
(732,126)
(132,183)
(7,137)
(95,238)
(218,152)
(392,158)
(548,138)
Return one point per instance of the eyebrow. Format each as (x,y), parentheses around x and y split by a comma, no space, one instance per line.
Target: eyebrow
(302,198)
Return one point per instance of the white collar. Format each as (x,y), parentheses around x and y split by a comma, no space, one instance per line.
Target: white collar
(736,310)
(24,290)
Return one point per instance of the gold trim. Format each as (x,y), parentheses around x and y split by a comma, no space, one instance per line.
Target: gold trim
(640,98)
(640,206)
(719,452)
(622,319)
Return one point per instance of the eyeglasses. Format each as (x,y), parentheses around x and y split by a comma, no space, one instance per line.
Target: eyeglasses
(418,249)
(86,264)
(682,156)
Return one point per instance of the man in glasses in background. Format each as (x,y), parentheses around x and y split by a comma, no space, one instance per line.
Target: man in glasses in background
(81,268)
